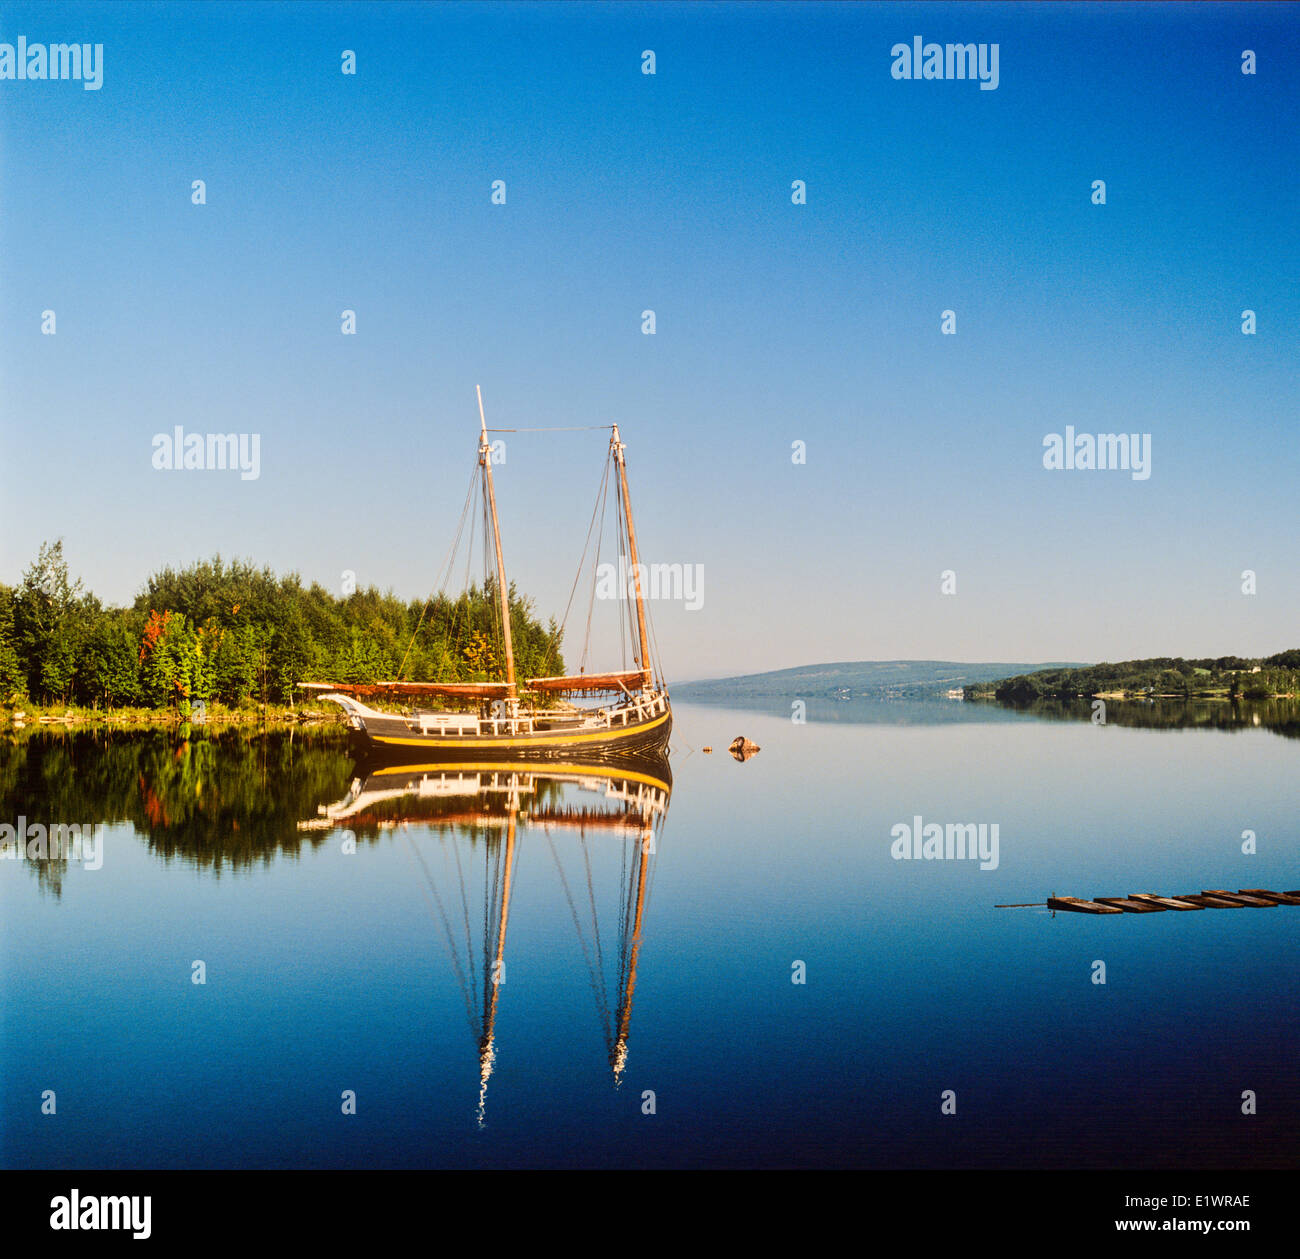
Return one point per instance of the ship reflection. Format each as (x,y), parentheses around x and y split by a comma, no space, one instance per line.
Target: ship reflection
(481,812)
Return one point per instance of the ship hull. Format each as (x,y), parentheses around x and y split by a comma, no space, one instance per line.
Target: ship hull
(393,739)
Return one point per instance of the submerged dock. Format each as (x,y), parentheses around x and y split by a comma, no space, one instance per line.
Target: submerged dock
(1153,903)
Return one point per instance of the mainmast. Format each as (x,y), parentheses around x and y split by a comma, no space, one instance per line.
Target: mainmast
(617,447)
(487,1049)
(485,462)
(618,1058)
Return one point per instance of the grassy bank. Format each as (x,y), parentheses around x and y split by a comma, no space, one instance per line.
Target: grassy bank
(269,716)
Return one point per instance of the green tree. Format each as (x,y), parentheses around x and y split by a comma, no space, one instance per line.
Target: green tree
(172,668)
(108,666)
(290,657)
(13,680)
(234,665)
(48,624)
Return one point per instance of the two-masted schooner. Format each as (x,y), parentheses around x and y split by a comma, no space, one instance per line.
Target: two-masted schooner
(502,720)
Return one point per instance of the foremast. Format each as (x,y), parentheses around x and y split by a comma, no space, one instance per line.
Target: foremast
(616,448)
(503,593)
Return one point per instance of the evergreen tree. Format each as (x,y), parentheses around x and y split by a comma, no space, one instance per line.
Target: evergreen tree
(108,667)
(13,681)
(47,626)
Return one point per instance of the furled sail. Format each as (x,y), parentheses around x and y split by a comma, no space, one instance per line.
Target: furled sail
(626,679)
(444,690)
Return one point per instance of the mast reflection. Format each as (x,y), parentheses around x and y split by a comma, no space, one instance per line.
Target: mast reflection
(484,809)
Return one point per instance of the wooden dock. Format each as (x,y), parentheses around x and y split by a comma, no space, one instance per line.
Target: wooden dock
(1127,906)
(1152,902)
(1079,907)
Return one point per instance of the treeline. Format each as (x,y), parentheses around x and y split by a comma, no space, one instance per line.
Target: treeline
(1278,716)
(1234,676)
(237,634)
(204,799)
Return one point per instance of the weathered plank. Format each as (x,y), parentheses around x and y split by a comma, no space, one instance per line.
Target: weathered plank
(1079,906)
(1165,902)
(1212,902)
(1282,898)
(1127,906)
(1255,902)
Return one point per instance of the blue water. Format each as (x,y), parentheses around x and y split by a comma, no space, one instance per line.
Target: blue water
(329,971)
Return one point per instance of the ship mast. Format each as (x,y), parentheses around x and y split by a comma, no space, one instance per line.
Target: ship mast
(618,1058)
(487,1049)
(485,462)
(616,446)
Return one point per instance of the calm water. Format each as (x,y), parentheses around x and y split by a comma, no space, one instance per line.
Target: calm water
(369,971)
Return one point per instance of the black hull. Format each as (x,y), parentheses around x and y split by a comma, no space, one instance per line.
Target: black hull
(394,743)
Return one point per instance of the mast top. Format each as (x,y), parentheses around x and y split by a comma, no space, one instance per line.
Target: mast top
(503,591)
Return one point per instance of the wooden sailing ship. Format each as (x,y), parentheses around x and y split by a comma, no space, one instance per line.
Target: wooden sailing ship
(504,720)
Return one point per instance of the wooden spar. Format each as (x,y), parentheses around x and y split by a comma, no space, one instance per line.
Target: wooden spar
(485,461)
(644,660)
(446,690)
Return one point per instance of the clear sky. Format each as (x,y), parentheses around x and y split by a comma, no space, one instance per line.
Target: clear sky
(775,322)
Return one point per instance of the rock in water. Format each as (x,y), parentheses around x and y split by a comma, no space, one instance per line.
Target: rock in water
(742,748)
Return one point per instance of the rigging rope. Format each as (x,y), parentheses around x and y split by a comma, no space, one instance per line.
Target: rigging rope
(564,621)
(572,428)
(595,571)
(597,983)
(451,945)
(444,575)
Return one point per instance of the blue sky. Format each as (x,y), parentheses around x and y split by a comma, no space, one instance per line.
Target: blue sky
(774,322)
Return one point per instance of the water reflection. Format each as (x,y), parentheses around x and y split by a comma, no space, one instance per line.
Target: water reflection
(464,825)
(225,800)
(1281,716)
(231,801)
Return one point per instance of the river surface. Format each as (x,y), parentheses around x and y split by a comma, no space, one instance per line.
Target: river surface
(487,969)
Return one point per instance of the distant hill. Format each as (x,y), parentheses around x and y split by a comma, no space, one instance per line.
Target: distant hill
(875,679)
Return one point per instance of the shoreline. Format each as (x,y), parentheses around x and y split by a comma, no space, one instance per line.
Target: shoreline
(34,717)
